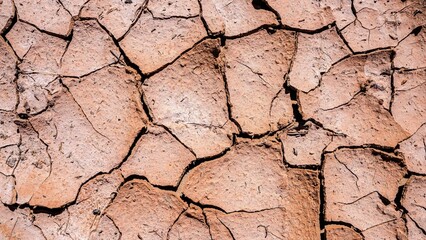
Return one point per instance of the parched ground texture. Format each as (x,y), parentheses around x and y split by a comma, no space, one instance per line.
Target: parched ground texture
(213,119)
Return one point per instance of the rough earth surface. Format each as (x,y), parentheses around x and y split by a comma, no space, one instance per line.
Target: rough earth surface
(212,119)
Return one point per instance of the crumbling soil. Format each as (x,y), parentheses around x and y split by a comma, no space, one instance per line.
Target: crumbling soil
(213,119)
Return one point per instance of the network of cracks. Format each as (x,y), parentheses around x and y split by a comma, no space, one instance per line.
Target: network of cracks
(212,119)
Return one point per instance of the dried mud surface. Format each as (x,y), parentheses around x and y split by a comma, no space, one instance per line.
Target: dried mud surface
(213,119)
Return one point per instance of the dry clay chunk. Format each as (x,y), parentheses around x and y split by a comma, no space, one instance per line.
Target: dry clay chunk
(140,210)
(340,232)
(382,24)
(47,15)
(7,190)
(190,225)
(159,157)
(255,69)
(411,52)
(116,15)
(255,169)
(83,135)
(17,224)
(316,53)
(414,151)
(235,17)
(91,48)
(8,60)
(92,200)
(22,37)
(79,220)
(414,200)
(362,121)
(54,227)
(365,213)
(34,164)
(394,229)
(9,157)
(298,219)
(189,98)
(356,182)
(163,40)
(241,172)
(414,232)
(174,8)
(9,134)
(409,104)
(41,53)
(351,174)
(114,107)
(312,14)
(35,92)
(305,146)
(360,73)
(267,224)
(106,229)
(7,12)
(74,6)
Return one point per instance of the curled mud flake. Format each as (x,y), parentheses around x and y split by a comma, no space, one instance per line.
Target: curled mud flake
(7,12)
(381,24)
(8,60)
(159,157)
(137,198)
(189,98)
(414,151)
(340,232)
(316,54)
(257,64)
(312,15)
(164,40)
(115,15)
(409,103)
(46,15)
(90,49)
(235,17)
(305,146)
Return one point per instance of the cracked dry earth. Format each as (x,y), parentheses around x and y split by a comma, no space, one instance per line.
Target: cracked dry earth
(213,119)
